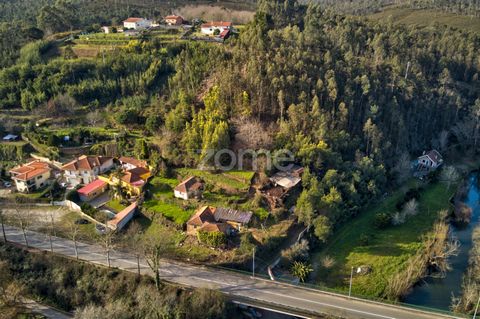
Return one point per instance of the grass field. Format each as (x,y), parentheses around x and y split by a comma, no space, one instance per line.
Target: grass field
(428,18)
(163,201)
(116,205)
(237,181)
(172,211)
(387,250)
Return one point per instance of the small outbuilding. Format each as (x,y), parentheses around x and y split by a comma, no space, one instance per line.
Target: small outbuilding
(430,160)
(121,219)
(92,190)
(189,188)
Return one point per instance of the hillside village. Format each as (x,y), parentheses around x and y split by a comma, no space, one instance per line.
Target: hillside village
(321,145)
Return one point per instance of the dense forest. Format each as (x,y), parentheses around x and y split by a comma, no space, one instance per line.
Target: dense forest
(360,7)
(354,100)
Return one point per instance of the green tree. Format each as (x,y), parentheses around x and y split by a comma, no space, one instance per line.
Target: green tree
(301,270)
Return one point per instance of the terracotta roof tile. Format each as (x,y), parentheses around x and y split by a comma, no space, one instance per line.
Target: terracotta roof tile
(30,170)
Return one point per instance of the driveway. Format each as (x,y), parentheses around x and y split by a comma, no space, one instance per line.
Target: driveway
(100,200)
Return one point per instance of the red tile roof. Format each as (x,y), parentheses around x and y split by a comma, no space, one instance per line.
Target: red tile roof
(123,214)
(203,215)
(30,170)
(93,186)
(133,20)
(86,163)
(133,176)
(217,24)
(215,227)
(132,161)
(171,17)
(190,184)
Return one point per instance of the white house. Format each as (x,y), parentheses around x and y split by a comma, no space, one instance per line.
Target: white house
(173,20)
(31,176)
(129,163)
(210,27)
(431,160)
(106,30)
(189,188)
(86,169)
(137,23)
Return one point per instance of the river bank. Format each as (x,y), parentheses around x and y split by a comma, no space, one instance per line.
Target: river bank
(437,291)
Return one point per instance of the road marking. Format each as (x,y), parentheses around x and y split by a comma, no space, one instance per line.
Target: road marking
(41,243)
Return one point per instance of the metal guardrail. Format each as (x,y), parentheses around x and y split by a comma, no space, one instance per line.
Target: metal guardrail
(324,289)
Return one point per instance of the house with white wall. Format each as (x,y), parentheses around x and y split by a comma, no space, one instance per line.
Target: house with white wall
(137,23)
(85,169)
(430,160)
(31,176)
(210,27)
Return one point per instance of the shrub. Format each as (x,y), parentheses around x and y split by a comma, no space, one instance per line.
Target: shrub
(364,240)
(398,219)
(297,252)
(73,196)
(214,239)
(382,220)
(411,207)
(246,243)
(328,262)
(88,209)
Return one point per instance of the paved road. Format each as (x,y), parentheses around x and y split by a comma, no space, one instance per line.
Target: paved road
(237,286)
(45,310)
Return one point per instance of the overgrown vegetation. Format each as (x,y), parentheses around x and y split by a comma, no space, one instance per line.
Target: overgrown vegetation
(100,293)
(387,252)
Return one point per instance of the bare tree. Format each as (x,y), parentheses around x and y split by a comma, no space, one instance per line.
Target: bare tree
(74,230)
(133,241)
(154,249)
(3,226)
(443,140)
(402,168)
(24,220)
(107,240)
(411,207)
(449,175)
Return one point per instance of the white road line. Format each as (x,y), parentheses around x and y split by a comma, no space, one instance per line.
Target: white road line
(222,284)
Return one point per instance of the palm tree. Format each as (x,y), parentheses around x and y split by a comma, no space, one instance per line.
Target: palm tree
(117,190)
(301,270)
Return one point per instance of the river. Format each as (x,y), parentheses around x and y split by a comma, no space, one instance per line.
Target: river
(437,292)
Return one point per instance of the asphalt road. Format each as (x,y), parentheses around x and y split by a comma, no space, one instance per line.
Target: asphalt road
(45,310)
(237,286)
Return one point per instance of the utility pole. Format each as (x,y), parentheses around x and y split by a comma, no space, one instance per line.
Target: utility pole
(253,263)
(351,279)
(476,308)
(408,69)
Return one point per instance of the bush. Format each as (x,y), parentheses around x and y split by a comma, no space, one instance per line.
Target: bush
(364,240)
(88,209)
(297,252)
(213,239)
(382,220)
(73,196)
